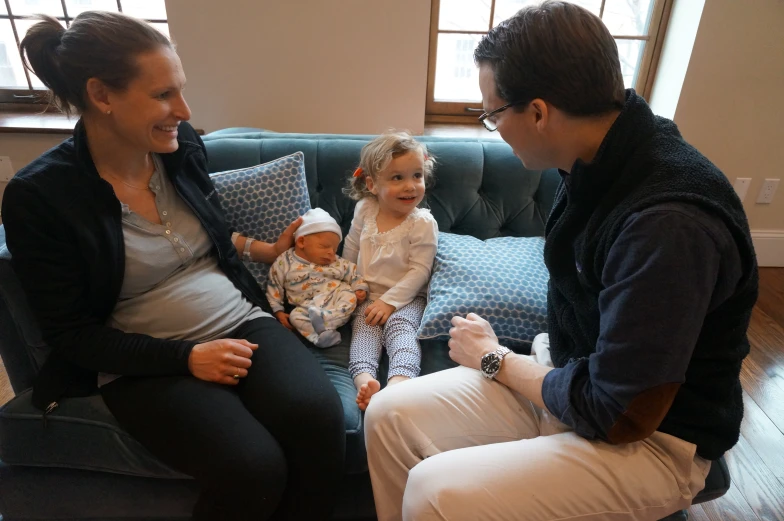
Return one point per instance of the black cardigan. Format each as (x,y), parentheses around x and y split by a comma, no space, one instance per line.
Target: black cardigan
(64,231)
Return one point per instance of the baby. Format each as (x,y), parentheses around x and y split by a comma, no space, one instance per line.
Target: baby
(324,288)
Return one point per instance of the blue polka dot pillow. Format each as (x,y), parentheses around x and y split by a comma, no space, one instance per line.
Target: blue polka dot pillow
(262,200)
(503,280)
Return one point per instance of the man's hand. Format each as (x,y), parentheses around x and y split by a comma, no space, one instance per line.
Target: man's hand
(283,318)
(286,239)
(377,313)
(361,295)
(471,338)
(220,360)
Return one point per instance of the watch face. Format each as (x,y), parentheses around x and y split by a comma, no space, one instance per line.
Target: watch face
(491,363)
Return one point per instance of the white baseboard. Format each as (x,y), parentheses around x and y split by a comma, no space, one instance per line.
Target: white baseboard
(769,245)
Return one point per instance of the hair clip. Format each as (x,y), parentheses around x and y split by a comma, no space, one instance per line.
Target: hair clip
(358,172)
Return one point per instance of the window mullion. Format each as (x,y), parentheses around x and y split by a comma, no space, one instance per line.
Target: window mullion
(18,42)
(65,14)
(492,15)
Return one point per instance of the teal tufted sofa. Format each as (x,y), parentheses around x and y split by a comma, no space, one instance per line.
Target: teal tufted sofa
(82,465)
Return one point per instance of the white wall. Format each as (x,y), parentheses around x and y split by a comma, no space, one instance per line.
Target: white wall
(732,102)
(337,66)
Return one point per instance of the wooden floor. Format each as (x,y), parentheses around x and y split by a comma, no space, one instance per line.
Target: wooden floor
(757,461)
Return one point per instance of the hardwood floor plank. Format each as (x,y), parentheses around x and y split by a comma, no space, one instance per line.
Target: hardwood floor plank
(754,480)
(763,435)
(732,506)
(696,513)
(767,391)
(766,337)
(6,392)
(771,293)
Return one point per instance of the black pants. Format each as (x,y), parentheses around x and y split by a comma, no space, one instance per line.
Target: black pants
(270,448)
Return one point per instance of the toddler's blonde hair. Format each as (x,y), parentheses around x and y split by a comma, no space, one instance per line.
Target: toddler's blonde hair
(377,155)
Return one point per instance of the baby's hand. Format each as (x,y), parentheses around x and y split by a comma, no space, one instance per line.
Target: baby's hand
(361,295)
(283,318)
(377,313)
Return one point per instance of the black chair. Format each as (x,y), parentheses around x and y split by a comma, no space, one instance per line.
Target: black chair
(716,485)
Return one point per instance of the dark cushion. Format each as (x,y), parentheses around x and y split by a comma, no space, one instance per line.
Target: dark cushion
(31,493)
(80,434)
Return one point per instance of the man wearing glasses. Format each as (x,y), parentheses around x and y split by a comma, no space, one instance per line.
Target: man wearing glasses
(621,407)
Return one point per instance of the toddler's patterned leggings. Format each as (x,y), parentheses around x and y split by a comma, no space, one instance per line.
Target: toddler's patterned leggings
(398,335)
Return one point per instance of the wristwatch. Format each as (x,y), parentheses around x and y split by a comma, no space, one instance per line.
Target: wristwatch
(491,362)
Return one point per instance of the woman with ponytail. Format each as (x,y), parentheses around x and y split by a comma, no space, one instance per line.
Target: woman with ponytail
(124,254)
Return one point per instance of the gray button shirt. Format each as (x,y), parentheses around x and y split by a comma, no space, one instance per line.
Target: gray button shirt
(173,287)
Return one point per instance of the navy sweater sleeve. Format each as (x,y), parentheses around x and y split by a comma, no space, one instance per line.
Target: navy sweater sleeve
(670,265)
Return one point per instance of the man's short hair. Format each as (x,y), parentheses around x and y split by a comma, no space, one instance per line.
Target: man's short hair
(559,52)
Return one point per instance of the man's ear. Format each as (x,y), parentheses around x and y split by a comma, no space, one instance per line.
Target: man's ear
(541,113)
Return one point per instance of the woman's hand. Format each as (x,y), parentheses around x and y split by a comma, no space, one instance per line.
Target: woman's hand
(377,313)
(221,360)
(283,318)
(286,239)
(472,338)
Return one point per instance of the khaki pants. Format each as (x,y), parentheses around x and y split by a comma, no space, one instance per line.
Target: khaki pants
(455,446)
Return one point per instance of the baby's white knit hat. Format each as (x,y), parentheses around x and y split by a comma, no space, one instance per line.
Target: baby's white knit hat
(315,221)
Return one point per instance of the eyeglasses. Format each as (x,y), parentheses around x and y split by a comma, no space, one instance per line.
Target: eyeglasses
(491,125)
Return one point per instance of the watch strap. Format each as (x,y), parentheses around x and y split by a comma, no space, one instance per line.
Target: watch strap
(246,250)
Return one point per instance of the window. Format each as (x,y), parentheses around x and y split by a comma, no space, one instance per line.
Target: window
(456,26)
(17,85)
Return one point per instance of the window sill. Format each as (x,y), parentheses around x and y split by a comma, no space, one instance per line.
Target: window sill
(25,121)
(472,130)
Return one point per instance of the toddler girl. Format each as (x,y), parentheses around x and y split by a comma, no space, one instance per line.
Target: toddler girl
(393,243)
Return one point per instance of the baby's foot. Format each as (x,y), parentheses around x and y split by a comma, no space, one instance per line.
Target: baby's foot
(328,338)
(316,320)
(366,391)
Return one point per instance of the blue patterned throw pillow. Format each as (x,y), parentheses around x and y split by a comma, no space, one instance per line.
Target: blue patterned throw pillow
(262,200)
(503,280)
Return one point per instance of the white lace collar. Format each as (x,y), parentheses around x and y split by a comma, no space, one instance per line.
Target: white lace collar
(393,235)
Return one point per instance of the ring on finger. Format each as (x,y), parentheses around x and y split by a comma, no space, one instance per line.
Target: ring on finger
(236,375)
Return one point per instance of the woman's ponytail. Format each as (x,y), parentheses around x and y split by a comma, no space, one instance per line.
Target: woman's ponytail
(39,50)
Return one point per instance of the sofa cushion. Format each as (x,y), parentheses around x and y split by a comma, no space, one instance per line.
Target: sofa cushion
(261,201)
(503,280)
(80,434)
(21,345)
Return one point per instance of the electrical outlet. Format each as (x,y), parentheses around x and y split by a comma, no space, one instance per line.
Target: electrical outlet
(6,170)
(767,191)
(742,186)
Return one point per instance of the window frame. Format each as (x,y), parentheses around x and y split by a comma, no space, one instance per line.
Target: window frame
(37,95)
(466,112)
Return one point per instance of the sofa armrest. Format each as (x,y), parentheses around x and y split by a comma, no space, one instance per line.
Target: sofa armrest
(21,346)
